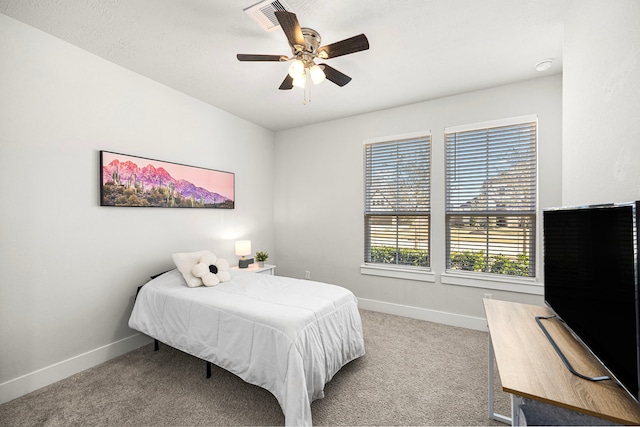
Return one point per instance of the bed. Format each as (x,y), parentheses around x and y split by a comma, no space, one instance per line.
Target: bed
(286,335)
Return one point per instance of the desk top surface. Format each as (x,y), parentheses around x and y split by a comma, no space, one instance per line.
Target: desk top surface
(529,366)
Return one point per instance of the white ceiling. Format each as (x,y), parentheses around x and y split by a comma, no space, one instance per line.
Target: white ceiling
(419,49)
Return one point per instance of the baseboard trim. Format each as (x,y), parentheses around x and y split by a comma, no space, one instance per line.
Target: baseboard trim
(469,322)
(25,384)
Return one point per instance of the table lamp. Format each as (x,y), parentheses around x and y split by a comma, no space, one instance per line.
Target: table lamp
(242,249)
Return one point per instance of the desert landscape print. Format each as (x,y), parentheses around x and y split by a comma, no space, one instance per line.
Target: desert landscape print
(140,182)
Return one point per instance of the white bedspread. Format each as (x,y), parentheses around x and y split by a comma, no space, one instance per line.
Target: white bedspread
(286,335)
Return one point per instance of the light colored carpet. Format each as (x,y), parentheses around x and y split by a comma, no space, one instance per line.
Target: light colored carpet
(413,373)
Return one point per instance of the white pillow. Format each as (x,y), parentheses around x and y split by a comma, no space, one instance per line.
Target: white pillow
(185,262)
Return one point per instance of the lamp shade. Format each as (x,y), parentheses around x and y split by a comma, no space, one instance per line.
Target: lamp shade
(243,247)
(317,75)
(296,69)
(300,81)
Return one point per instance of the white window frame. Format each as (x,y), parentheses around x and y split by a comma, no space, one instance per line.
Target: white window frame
(396,270)
(473,278)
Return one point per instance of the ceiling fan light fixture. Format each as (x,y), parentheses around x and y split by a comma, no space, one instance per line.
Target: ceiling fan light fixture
(317,75)
(296,69)
(300,81)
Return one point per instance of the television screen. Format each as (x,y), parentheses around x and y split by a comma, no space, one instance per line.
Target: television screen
(590,282)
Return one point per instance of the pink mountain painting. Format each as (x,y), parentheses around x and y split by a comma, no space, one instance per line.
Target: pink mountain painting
(162,184)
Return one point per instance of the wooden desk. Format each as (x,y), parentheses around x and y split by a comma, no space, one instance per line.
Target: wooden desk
(529,366)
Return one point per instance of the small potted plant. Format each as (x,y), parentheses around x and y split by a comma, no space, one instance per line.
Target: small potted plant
(261,257)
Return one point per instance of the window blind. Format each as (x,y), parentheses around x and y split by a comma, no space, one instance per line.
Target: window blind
(397,201)
(491,198)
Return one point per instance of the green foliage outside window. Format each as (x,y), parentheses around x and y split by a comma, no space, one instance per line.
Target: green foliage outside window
(497,264)
(466,260)
(405,256)
(469,261)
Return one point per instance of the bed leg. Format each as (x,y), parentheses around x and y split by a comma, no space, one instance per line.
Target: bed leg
(156,345)
(208,369)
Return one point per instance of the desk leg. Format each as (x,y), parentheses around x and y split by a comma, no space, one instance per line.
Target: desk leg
(516,402)
(492,414)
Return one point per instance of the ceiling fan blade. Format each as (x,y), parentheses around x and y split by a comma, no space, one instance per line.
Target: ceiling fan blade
(247,57)
(334,75)
(291,27)
(344,47)
(287,83)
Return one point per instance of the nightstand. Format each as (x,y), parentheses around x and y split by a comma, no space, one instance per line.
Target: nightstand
(253,268)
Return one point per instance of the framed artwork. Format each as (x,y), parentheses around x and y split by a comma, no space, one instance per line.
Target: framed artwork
(137,181)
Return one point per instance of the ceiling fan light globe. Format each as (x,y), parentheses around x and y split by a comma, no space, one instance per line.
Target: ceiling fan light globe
(317,75)
(296,69)
(300,81)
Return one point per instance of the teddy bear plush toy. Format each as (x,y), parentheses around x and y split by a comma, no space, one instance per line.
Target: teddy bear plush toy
(211,269)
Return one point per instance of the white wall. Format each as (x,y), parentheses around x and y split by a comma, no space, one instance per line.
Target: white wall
(69,268)
(319,196)
(601,133)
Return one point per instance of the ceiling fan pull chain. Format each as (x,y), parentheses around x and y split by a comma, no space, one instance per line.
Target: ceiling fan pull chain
(306,87)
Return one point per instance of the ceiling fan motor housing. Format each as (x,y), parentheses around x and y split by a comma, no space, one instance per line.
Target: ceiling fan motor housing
(308,52)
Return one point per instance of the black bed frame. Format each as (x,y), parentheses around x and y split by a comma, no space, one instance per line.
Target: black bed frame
(156,347)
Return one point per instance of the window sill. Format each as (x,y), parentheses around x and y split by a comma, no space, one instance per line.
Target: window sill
(419,274)
(525,285)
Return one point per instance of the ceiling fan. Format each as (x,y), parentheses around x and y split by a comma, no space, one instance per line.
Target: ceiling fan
(304,44)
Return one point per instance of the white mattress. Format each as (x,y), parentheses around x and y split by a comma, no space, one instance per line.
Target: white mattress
(286,335)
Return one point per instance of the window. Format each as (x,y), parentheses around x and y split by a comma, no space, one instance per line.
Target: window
(491,197)
(397,211)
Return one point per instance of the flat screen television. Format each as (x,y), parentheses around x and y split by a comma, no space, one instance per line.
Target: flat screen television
(591,282)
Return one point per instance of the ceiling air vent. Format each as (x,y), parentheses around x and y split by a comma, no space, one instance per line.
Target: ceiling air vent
(264,13)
